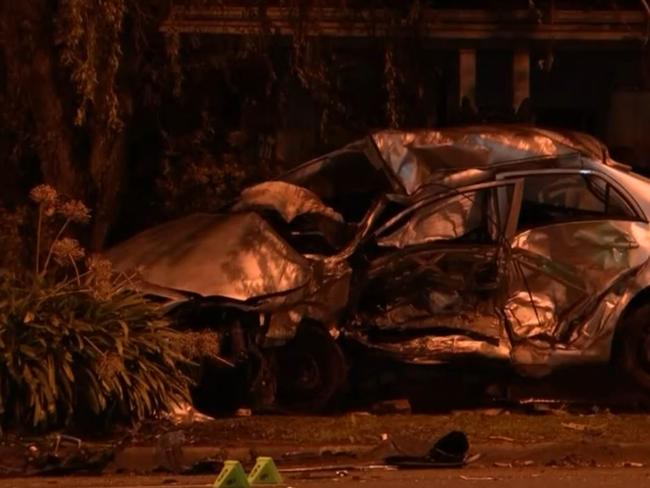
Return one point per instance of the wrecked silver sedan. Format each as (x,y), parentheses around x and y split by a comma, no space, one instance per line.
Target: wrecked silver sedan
(508,243)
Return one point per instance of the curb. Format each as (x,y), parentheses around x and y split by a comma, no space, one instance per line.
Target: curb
(147,459)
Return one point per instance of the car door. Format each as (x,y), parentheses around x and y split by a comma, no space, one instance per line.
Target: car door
(577,238)
(436,271)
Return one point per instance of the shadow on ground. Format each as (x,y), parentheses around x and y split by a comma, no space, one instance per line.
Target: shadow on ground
(439,389)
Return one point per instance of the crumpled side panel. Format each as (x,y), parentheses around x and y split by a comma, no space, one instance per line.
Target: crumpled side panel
(561,272)
(433,349)
(428,305)
(532,314)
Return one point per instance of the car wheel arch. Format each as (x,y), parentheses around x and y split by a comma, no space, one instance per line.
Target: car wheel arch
(641,298)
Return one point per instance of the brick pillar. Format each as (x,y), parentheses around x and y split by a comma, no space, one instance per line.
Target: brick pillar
(467,75)
(467,85)
(520,77)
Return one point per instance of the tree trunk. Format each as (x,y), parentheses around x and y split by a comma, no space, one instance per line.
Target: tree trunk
(108,156)
(32,60)
(107,163)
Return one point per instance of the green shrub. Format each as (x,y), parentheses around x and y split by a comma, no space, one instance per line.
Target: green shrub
(77,344)
(66,352)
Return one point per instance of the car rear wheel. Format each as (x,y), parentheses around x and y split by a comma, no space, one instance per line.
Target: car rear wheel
(634,352)
(310,370)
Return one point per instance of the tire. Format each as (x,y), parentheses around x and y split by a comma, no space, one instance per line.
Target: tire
(220,391)
(634,346)
(310,370)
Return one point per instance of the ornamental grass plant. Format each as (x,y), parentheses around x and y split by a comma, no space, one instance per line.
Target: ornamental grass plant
(76,342)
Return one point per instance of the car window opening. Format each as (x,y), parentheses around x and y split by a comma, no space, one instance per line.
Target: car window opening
(348,182)
(470,217)
(555,198)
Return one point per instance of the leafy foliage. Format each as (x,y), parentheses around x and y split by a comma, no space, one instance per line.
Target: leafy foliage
(92,101)
(67,352)
(192,179)
(80,345)
(89,34)
(12,240)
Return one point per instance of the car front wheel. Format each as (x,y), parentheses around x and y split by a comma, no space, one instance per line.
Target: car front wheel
(310,370)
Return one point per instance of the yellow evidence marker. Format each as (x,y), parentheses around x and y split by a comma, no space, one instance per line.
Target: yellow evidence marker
(232,476)
(264,473)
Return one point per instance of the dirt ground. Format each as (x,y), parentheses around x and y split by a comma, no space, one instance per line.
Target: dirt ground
(481,426)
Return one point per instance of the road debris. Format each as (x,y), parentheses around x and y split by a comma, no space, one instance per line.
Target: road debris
(185,415)
(513,464)
(450,451)
(399,406)
(204,466)
(65,438)
(80,460)
(339,467)
(594,430)
(501,438)
(629,464)
(573,460)
(492,412)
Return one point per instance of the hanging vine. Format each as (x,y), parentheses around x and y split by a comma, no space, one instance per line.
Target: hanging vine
(392,77)
(172,49)
(312,62)
(89,34)
(402,31)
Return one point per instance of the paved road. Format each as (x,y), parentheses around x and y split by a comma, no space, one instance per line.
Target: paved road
(466,478)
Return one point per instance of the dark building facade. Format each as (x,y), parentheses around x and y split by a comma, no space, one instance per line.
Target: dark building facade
(575,64)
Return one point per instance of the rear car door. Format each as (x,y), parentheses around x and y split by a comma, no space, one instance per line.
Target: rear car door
(577,237)
(435,276)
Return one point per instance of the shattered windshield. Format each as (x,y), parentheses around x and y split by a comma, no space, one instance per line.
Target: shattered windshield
(462,216)
(344,180)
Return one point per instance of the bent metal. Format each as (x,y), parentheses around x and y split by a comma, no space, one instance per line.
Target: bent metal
(508,243)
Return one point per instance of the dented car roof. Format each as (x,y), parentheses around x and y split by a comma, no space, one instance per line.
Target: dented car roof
(423,157)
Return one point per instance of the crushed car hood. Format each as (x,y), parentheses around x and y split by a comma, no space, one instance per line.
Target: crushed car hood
(236,256)
(287,199)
